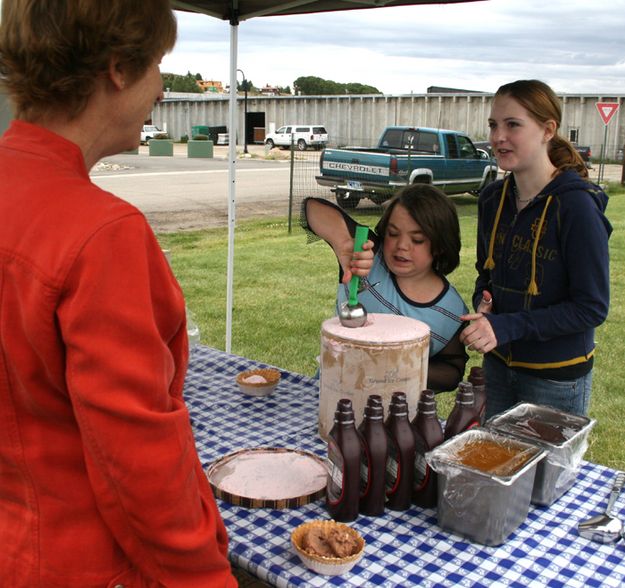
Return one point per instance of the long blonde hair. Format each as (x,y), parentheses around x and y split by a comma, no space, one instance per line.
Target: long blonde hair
(543,105)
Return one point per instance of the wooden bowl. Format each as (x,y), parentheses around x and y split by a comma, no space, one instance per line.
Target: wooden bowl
(270,376)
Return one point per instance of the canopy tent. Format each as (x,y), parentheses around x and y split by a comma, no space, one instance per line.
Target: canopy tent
(235,11)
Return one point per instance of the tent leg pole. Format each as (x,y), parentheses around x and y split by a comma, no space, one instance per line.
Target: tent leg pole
(232,159)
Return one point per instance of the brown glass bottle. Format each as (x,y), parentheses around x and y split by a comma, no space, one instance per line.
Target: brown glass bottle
(401,452)
(373,458)
(477,379)
(344,447)
(428,433)
(463,415)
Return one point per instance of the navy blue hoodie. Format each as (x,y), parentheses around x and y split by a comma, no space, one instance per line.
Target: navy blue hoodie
(549,274)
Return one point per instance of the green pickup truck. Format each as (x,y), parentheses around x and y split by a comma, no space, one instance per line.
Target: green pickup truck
(406,155)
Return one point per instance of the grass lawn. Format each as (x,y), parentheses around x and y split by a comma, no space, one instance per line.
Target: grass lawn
(284,288)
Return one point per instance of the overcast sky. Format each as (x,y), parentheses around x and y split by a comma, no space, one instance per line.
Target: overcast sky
(577,46)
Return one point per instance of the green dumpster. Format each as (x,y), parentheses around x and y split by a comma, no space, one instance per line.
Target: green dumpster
(200,130)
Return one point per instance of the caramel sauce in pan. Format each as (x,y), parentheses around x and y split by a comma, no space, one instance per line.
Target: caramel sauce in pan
(492,457)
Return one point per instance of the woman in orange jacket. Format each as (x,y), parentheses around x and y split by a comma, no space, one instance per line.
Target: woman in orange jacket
(100,482)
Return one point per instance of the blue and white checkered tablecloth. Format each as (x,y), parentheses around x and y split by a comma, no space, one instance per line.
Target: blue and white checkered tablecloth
(402,548)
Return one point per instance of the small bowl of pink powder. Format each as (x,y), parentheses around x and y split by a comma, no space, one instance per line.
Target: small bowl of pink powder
(259,382)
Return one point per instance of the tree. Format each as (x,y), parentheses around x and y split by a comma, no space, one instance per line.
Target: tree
(314,86)
(241,86)
(178,83)
(355,88)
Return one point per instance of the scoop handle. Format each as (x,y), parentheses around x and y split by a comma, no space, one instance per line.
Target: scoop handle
(360,239)
(619,481)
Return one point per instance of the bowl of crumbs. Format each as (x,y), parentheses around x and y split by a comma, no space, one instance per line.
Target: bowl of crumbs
(259,382)
(327,547)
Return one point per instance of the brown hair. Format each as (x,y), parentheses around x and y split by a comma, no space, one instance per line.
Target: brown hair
(543,105)
(51,51)
(436,214)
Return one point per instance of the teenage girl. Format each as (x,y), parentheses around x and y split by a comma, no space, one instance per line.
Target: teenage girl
(542,259)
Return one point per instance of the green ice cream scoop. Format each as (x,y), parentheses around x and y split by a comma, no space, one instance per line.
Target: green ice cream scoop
(353,314)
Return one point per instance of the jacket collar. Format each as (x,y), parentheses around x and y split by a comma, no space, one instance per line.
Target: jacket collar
(39,141)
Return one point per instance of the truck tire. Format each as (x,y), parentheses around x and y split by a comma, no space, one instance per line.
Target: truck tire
(489,179)
(270,143)
(346,200)
(301,145)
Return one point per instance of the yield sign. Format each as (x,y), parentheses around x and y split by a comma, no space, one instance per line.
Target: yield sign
(606,110)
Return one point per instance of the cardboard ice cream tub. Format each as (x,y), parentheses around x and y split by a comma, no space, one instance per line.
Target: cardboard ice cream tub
(388,354)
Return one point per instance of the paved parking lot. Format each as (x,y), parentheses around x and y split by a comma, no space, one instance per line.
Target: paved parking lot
(178,193)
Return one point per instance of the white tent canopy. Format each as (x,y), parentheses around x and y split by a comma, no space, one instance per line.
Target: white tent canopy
(235,11)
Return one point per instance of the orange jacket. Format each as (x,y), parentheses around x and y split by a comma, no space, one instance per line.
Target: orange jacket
(100,482)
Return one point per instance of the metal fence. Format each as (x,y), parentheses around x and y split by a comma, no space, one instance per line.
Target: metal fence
(303,184)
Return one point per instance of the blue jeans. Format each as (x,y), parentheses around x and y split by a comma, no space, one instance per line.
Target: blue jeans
(506,387)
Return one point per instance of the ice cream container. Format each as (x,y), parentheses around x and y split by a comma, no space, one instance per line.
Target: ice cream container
(485,483)
(563,435)
(388,354)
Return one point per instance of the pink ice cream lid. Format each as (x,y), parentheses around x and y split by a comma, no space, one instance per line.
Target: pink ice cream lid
(379,328)
(268,477)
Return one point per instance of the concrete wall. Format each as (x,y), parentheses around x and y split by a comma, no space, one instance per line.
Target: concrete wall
(359,120)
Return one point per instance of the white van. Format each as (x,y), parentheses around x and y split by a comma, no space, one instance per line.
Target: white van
(303,136)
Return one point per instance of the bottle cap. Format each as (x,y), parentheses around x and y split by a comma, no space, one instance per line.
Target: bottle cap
(427,403)
(465,393)
(344,405)
(476,376)
(398,397)
(344,413)
(374,399)
(343,418)
(374,413)
(398,408)
(426,395)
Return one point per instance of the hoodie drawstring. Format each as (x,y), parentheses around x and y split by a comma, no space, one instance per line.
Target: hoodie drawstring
(532,289)
(490,262)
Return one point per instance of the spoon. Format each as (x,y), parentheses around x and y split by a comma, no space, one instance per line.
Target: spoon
(353,314)
(605,528)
